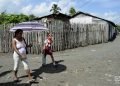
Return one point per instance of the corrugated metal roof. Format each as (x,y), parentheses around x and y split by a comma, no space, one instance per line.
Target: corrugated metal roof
(56,16)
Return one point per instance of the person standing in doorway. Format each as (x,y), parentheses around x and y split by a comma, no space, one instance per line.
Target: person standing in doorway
(19,47)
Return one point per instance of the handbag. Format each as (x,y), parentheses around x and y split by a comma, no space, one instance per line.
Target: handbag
(26,46)
(26,50)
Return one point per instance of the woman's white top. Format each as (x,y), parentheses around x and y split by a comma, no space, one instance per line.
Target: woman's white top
(21,46)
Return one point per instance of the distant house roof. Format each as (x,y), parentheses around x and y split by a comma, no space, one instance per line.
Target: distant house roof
(55,16)
(94,17)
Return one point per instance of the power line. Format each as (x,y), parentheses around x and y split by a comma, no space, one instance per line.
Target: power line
(86,3)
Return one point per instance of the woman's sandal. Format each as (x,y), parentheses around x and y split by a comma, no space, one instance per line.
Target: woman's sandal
(16,80)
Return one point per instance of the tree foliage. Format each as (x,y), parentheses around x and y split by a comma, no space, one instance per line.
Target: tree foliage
(14,18)
(55,9)
(72,11)
(118,28)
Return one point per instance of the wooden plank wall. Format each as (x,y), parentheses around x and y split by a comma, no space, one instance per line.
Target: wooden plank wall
(65,36)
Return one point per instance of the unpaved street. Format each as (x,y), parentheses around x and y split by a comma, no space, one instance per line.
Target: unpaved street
(94,65)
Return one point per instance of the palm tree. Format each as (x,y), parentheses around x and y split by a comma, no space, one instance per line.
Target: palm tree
(72,11)
(55,9)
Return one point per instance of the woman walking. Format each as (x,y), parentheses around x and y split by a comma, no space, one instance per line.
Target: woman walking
(19,55)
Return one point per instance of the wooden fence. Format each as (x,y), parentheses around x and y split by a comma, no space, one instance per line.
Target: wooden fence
(65,36)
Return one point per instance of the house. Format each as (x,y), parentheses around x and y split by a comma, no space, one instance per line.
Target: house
(68,36)
(57,25)
(53,18)
(85,18)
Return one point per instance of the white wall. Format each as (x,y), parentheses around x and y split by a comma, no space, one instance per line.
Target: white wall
(83,19)
(98,21)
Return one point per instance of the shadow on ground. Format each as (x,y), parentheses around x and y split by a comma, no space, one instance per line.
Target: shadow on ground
(4,73)
(14,84)
(1,66)
(49,68)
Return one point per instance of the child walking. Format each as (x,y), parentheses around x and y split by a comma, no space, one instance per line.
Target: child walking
(47,50)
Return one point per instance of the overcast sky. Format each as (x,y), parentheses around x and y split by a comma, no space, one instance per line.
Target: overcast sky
(108,9)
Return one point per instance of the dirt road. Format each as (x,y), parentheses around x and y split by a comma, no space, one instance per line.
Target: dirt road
(94,65)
